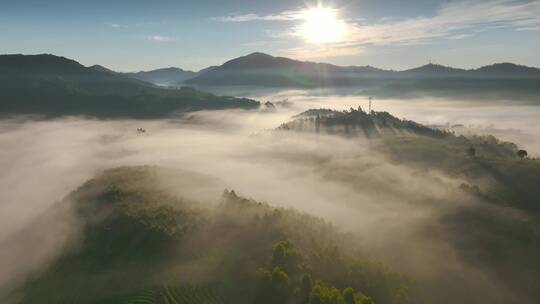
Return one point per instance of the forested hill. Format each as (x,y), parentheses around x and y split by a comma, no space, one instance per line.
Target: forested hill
(356,122)
(50,85)
(148,246)
(506,175)
(498,235)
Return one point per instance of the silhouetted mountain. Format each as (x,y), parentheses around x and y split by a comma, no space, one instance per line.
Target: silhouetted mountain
(202,71)
(46,71)
(40,64)
(52,85)
(101,68)
(164,77)
(435,70)
(259,69)
(263,69)
(169,77)
(257,61)
(499,70)
(506,69)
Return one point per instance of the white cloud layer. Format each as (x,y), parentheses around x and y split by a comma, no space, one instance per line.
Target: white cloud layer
(454,19)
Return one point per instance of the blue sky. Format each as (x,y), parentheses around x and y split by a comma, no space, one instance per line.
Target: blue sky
(139,35)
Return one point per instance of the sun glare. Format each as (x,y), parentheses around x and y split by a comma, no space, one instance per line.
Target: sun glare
(321,25)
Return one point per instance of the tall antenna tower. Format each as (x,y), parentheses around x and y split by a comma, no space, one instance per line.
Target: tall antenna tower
(369,112)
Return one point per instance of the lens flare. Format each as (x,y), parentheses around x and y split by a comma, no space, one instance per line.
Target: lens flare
(322,25)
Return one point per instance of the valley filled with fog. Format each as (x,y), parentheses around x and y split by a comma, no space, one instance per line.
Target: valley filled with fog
(270,152)
(395,211)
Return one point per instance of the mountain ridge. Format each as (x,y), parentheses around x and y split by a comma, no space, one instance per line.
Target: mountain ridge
(101,68)
(57,86)
(260,69)
(499,66)
(283,69)
(163,76)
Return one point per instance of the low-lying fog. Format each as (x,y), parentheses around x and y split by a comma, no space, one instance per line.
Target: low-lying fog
(509,120)
(340,180)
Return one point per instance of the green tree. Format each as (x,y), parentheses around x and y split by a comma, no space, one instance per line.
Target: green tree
(522,154)
(324,294)
(286,256)
(274,286)
(348,295)
(352,297)
(360,298)
(305,288)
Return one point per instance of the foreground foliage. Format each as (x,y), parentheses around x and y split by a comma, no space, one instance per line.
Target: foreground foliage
(136,236)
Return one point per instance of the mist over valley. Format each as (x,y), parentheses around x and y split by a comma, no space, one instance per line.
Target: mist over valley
(353,152)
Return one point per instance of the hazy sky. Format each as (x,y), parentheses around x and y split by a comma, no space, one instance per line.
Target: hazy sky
(140,34)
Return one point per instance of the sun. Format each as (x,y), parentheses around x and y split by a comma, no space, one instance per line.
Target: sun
(322,25)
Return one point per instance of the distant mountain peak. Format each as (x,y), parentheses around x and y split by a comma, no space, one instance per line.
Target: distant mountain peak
(41,63)
(254,56)
(170,76)
(201,71)
(507,68)
(259,54)
(101,68)
(167,69)
(257,60)
(36,59)
(434,68)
